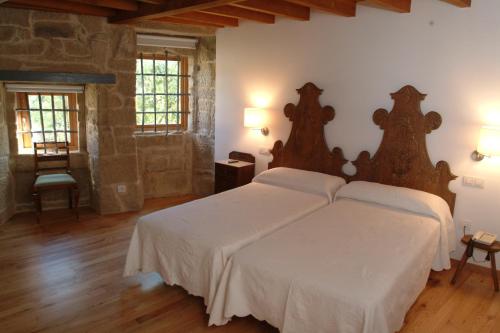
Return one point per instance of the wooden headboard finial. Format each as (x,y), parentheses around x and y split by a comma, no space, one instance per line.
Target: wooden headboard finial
(306,147)
(402,158)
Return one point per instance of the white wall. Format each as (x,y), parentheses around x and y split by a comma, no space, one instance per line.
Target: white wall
(451,54)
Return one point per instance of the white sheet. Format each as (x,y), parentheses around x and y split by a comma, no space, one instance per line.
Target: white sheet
(349,267)
(190,244)
(415,201)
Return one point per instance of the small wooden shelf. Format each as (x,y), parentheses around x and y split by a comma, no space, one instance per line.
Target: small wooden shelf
(469,251)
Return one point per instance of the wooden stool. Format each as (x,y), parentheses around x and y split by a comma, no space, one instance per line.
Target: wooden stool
(471,245)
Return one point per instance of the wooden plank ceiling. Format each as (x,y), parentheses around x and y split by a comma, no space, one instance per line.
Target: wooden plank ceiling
(212,13)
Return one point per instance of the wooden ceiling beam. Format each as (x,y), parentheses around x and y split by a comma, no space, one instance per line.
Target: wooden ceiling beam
(154,2)
(277,7)
(148,11)
(181,21)
(210,18)
(13,5)
(241,13)
(130,5)
(64,6)
(339,7)
(460,3)
(399,6)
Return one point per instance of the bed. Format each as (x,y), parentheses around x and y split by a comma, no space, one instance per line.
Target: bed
(189,245)
(362,261)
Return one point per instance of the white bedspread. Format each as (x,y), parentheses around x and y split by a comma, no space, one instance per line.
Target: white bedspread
(349,267)
(190,244)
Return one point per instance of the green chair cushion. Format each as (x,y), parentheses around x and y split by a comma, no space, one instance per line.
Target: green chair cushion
(54,179)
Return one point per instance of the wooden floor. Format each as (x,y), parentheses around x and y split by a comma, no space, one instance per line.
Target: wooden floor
(66,276)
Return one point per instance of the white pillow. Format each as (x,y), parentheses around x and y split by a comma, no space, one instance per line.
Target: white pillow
(302,180)
(398,197)
(415,201)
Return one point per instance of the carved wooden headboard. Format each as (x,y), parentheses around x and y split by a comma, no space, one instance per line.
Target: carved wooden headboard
(402,158)
(306,146)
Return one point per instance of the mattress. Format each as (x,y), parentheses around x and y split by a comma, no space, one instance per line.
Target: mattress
(189,245)
(349,267)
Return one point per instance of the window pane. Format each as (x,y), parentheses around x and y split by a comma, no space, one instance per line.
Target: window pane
(138,66)
(37,137)
(160,84)
(160,66)
(138,103)
(61,137)
(173,67)
(172,103)
(46,102)
(36,123)
(49,118)
(138,84)
(148,84)
(49,137)
(60,126)
(152,92)
(161,103)
(148,66)
(48,124)
(149,103)
(33,102)
(172,85)
(149,119)
(160,118)
(172,118)
(58,102)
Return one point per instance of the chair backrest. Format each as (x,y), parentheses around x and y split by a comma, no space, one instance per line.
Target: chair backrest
(51,152)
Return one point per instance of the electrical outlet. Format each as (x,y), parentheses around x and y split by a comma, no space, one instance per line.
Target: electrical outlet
(473,182)
(121,188)
(467,226)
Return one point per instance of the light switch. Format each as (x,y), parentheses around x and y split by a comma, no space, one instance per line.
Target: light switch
(473,182)
(479,182)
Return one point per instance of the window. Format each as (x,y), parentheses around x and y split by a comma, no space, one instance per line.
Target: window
(46,117)
(162,93)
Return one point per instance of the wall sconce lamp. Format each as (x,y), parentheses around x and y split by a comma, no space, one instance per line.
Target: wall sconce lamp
(254,119)
(489,143)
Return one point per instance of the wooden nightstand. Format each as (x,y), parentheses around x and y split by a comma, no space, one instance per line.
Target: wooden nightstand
(471,245)
(232,175)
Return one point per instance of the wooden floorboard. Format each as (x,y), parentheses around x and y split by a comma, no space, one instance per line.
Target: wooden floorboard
(66,276)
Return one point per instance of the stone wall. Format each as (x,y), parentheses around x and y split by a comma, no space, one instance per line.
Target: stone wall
(204,119)
(6,176)
(43,41)
(166,164)
(111,153)
(23,165)
(184,164)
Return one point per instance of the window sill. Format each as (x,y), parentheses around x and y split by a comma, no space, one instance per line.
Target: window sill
(161,133)
(30,152)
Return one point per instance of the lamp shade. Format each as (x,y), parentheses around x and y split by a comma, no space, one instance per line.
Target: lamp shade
(253,118)
(489,141)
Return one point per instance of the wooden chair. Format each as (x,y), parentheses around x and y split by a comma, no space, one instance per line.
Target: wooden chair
(54,177)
